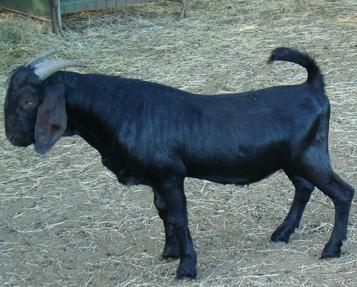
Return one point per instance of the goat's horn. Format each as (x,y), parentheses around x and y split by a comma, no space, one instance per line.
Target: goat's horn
(47,68)
(40,58)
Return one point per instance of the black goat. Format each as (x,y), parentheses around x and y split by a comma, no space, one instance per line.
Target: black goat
(156,135)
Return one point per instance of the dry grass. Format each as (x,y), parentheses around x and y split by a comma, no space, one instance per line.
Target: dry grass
(64,219)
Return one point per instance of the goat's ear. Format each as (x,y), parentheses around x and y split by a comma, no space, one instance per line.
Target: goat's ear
(51,121)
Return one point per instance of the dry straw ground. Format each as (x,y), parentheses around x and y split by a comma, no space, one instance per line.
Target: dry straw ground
(64,219)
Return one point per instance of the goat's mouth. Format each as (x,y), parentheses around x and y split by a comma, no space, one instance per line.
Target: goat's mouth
(19,141)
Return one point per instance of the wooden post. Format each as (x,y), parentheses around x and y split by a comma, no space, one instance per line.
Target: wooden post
(55,16)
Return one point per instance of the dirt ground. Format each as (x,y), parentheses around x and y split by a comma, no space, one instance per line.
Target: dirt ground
(66,221)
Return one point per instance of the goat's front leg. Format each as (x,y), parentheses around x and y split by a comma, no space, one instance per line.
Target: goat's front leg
(172,193)
(172,246)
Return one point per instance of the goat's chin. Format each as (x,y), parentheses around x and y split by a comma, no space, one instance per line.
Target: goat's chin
(40,149)
(19,142)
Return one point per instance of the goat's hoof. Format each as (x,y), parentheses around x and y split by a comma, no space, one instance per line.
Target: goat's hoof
(331,251)
(187,268)
(281,234)
(185,272)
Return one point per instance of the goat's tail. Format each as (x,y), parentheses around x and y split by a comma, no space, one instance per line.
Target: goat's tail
(314,76)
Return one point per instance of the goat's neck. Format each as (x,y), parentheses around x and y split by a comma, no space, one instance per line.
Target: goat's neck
(88,112)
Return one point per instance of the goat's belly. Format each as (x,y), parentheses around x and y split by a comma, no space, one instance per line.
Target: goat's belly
(233,179)
(235,173)
(225,179)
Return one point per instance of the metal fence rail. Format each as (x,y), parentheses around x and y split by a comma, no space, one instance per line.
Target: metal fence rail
(54,9)
(73,6)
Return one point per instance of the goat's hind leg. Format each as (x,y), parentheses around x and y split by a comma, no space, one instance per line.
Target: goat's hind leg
(303,189)
(315,166)
(341,194)
(172,247)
